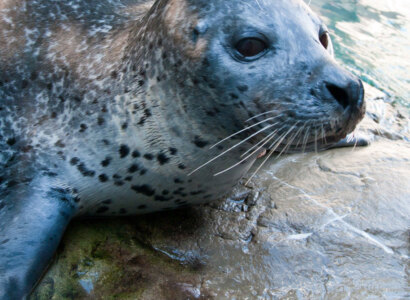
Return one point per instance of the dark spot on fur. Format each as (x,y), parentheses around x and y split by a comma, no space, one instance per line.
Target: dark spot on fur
(234,96)
(106,161)
(136,154)
(33,75)
(11,141)
(74,161)
(178,181)
(162,198)
(100,121)
(133,168)
(116,176)
(24,84)
(143,172)
(199,142)
(103,178)
(59,144)
(12,183)
(148,156)
(196,193)
(243,88)
(86,172)
(109,201)
(124,151)
(141,82)
(114,74)
(124,126)
(179,191)
(119,183)
(102,209)
(83,127)
(50,86)
(162,159)
(147,114)
(51,174)
(144,189)
(173,151)
(4,241)
(128,178)
(27,148)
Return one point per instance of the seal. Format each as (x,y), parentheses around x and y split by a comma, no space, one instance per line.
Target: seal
(125,107)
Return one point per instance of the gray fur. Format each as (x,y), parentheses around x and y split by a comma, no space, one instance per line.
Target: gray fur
(107,106)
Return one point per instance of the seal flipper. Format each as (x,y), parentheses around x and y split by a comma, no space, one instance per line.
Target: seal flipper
(33,218)
(352,141)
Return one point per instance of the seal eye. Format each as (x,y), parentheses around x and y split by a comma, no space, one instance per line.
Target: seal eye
(250,47)
(324,39)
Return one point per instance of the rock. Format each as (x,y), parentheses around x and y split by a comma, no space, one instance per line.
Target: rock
(328,225)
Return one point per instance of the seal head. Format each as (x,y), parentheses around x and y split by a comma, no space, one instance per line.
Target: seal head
(235,64)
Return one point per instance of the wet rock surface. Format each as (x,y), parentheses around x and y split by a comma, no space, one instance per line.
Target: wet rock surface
(330,225)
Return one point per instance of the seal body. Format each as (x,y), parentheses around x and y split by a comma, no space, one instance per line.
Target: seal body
(112,108)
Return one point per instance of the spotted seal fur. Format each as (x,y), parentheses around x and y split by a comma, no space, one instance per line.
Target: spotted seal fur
(111,108)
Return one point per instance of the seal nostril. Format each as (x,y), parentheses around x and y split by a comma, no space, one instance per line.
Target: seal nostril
(339,94)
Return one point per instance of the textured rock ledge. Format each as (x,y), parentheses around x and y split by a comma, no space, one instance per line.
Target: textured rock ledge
(329,225)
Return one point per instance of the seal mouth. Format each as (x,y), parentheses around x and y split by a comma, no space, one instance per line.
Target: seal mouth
(310,146)
(317,137)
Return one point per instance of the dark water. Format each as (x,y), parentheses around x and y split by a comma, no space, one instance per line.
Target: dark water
(372,37)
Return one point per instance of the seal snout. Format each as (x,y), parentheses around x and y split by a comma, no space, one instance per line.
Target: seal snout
(348,96)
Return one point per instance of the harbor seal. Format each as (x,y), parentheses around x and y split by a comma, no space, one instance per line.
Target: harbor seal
(124,107)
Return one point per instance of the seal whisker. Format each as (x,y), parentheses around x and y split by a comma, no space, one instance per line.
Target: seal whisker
(305,139)
(262,141)
(266,113)
(259,4)
(276,145)
(289,143)
(271,136)
(316,149)
(243,130)
(323,135)
(301,135)
(295,136)
(231,148)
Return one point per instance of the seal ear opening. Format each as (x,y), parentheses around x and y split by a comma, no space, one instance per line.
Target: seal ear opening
(200,29)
